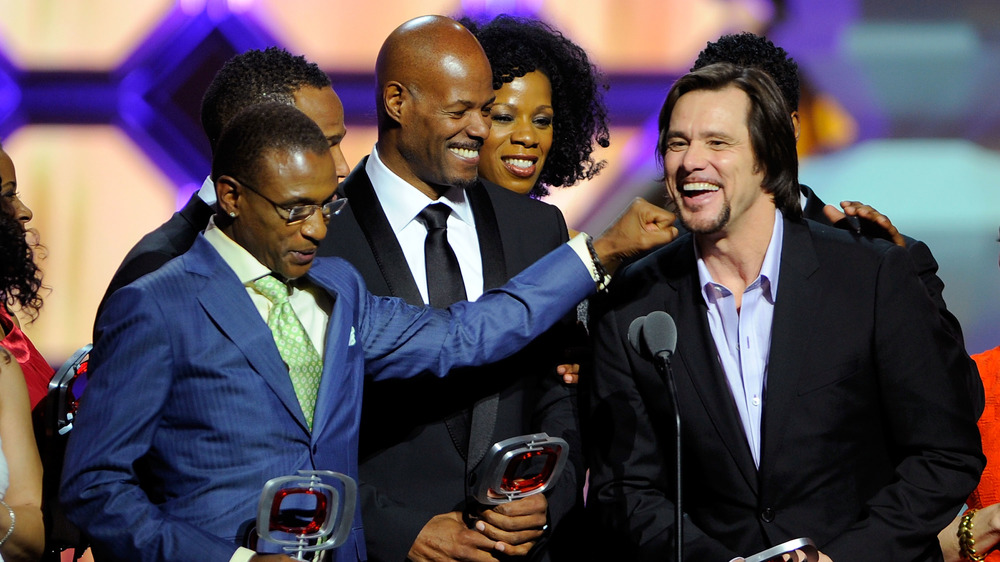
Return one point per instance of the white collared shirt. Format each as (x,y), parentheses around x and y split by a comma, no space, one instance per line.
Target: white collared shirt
(207,192)
(402,203)
(743,337)
(311,303)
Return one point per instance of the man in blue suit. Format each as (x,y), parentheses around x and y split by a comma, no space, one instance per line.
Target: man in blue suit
(191,409)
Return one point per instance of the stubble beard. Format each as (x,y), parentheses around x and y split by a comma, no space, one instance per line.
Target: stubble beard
(720,222)
(465,183)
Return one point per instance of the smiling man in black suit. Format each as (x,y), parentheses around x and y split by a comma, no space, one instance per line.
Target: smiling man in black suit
(421,439)
(818,399)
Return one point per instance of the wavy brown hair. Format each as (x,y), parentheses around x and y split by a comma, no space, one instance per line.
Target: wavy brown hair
(769,123)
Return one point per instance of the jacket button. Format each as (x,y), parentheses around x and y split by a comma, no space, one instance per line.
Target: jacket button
(767,515)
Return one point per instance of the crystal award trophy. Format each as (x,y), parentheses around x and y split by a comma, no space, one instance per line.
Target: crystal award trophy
(307,512)
(519,467)
(804,545)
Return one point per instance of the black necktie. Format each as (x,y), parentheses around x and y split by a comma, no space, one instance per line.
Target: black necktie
(471,431)
(444,276)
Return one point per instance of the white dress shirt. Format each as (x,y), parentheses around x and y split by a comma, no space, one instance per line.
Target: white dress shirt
(743,337)
(311,303)
(207,192)
(402,203)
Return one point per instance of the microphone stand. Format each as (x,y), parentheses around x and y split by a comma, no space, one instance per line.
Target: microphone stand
(662,362)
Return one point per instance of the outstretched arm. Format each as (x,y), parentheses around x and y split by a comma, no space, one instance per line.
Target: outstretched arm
(641,226)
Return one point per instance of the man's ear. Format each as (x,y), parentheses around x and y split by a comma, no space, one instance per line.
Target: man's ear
(395,98)
(795,124)
(227,191)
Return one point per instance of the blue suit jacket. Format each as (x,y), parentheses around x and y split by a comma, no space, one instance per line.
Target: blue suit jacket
(190,410)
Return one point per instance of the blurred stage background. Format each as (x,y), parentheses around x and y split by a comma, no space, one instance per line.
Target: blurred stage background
(99,103)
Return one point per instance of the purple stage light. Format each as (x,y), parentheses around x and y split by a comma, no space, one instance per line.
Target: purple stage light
(162,84)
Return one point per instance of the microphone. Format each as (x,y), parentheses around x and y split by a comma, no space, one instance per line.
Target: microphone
(635,337)
(654,337)
(659,333)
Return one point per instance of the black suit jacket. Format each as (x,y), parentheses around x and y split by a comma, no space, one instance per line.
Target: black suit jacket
(927,268)
(411,466)
(869,442)
(163,244)
(923,261)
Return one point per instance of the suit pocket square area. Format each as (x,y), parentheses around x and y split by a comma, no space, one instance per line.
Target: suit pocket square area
(827,377)
(351,341)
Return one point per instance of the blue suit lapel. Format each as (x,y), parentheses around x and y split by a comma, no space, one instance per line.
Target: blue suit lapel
(226,302)
(336,386)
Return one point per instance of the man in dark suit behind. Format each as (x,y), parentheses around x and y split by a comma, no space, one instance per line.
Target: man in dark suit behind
(434,92)
(247,79)
(819,390)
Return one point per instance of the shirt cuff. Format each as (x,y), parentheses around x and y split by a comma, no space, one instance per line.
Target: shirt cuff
(579,245)
(242,555)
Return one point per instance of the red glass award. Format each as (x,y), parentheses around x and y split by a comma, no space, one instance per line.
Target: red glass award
(307,512)
(519,467)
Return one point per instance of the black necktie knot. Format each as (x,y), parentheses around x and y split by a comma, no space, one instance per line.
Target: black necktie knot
(444,276)
(435,216)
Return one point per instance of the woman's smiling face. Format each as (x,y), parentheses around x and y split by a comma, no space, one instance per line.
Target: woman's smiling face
(521,135)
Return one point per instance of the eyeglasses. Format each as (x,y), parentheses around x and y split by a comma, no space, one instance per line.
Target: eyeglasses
(298,213)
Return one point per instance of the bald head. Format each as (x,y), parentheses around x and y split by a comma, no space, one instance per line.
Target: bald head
(434,91)
(428,50)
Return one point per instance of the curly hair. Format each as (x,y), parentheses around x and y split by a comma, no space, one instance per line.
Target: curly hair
(250,78)
(516,46)
(749,50)
(20,277)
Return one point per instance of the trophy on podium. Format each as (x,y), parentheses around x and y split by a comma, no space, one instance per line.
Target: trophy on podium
(520,467)
(307,512)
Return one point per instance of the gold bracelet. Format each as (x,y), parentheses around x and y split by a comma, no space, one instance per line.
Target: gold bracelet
(966,542)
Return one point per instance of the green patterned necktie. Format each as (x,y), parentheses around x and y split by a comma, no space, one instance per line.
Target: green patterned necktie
(304,365)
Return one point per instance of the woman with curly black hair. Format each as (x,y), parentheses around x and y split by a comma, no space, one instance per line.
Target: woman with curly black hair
(548,115)
(20,282)
(549,111)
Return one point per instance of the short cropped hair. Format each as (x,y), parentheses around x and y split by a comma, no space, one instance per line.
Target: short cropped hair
(253,77)
(769,122)
(747,49)
(516,46)
(260,129)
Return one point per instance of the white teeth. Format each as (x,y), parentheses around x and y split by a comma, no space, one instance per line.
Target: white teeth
(465,152)
(700,186)
(519,163)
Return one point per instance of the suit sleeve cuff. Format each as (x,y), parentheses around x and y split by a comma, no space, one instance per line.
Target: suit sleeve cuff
(242,555)
(579,245)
